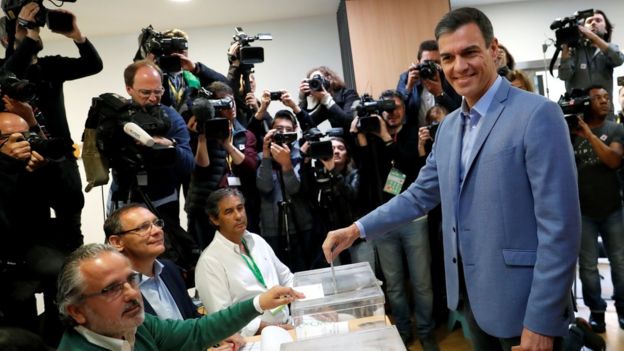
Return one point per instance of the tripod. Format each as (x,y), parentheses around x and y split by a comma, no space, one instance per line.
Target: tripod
(285,211)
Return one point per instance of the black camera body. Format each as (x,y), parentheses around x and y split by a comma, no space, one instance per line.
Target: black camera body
(320,149)
(318,83)
(566,30)
(204,109)
(15,88)
(368,107)
(620,81)
(284,138)
(163,48)
(433,129)
(427,69)
(56,20)
(52,148)
(276,95)
(248,54)
(573,107)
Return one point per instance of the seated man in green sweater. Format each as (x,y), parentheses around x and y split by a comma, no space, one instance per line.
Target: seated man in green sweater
(98,294)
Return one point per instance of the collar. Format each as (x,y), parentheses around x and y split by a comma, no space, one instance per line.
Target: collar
(158,267)
(107,342)
(482,105)
(234,246)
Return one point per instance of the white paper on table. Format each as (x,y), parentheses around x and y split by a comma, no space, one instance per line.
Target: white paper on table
(271,339)
(311,292)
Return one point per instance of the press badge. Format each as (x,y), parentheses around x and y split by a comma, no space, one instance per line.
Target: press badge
(395,181)
(233,181)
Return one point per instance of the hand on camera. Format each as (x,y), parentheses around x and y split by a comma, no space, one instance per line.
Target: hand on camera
(383,129)
(252,102)
(278,296)
(413,75)
(27,14)
(36,161)
(20,108)
(434,86)
(583,130)
(75,33)
(163,141)
(266,143)
(287,100)
(304,87)
(186,63)
(281,155)
(233,53)
(16,147)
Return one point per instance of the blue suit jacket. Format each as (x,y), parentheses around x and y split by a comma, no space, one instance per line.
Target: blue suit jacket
(515,219)
(173,280)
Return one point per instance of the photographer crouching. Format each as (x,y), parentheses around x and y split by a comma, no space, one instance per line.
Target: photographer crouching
(598,152)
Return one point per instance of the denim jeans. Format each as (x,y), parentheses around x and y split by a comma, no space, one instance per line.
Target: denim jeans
(611,229)
(364,251)
(413,240)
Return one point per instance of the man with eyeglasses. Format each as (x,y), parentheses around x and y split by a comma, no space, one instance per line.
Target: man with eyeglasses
(98,296)
(143,81)
(598,152)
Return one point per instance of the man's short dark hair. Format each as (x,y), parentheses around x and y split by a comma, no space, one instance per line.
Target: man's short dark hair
(451,21)
(132,69)
(592,87)
(391,93)
(212,203)
(112,224)
(219,89)
(427,45)
(285,114)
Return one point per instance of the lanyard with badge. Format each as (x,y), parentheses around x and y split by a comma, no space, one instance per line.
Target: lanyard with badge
(251,263)
(395,180)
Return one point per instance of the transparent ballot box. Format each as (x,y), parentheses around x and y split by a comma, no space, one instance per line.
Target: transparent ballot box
(354,301)
(381,339)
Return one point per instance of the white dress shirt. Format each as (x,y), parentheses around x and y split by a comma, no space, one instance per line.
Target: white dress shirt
(222,277)
(106,342)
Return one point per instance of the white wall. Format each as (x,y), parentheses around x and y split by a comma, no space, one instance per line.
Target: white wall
(524,26)
(298,45)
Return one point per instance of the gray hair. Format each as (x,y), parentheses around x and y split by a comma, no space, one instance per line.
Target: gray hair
(212,204)
(70,283)
(451,21)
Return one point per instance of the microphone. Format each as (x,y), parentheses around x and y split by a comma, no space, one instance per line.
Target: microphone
(138,134)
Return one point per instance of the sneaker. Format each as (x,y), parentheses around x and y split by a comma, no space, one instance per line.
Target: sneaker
(597,322)
(429,343)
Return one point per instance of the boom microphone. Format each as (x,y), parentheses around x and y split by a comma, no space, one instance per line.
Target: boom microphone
(138,134)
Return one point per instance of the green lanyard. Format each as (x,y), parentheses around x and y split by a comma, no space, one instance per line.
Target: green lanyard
(252,265)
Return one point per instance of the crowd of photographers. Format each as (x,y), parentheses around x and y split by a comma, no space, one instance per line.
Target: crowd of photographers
(327,158)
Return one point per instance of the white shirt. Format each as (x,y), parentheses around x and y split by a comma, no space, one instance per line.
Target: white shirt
(222,278)
(106,342)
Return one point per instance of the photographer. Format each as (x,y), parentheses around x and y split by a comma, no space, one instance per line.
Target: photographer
(281,195)
(229,161)
(388,164)
(423,92)
(262,120)
(31,253)
(323,96)
(598,153)
(49,73)
(143,81)
(592,61)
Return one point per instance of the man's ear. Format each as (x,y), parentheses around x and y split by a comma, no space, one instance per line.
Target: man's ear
(77,313)
(117,242)
(494,48)
(214,221)
(128,90)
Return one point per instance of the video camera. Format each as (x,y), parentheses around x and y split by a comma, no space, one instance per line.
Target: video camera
(574,106)
(163,48)
(427,69)
(367,107)
(56,20)
(15,88)
(124,134)
(321,149)
(204,109)
(250,55)
(566,30)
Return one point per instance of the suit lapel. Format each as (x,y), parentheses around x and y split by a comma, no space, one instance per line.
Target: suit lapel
(489,120)
(455,159)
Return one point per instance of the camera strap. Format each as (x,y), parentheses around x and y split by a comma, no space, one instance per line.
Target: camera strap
(554,59)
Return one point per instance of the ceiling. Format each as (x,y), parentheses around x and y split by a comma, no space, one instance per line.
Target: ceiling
(110,17)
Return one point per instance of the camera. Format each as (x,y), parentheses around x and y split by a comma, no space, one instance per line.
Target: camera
(250,54)
(284,138)
(52,148)
(204,109)
(572,107)
(566,30)
(620,81)
(15,88)
(276,95)
(427,69)
(433,129)
(109,113)
(368,107)
(163,48)
(318,82)
(56,20)
(320,149)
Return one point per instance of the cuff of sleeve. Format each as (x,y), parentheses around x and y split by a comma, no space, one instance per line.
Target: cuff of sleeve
(361,228)
(328,101)
(256,303)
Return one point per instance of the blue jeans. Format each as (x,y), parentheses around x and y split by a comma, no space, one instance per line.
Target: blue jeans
(413,240)
(364,251)
(611,229)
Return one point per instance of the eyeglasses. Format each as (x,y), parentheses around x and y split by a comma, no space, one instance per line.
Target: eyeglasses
(26,135)
(144,228)
(148,92)
(114,290)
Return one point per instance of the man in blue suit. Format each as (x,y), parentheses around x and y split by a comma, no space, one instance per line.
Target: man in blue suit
(503,168)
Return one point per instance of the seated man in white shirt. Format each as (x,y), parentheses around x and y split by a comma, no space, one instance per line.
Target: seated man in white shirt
(238,264)
(137,233)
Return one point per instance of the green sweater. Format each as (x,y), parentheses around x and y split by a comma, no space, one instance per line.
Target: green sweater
(188,335)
